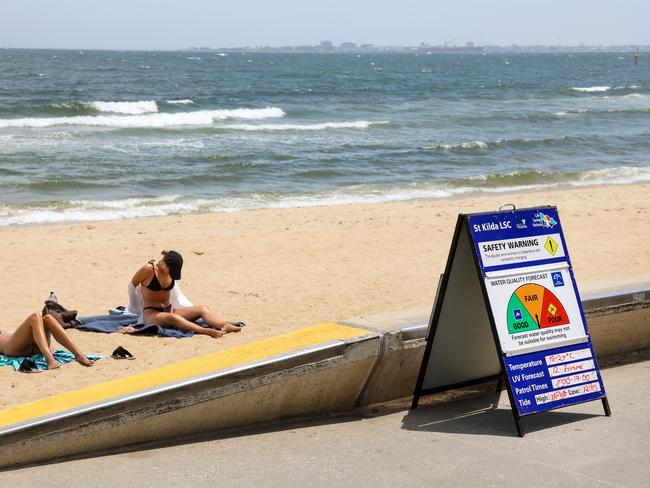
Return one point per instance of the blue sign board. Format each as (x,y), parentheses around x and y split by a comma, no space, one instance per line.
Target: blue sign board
(554,378)
(537,312)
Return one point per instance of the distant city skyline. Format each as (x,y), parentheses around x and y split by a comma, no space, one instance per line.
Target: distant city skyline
(423,48)
(167,24)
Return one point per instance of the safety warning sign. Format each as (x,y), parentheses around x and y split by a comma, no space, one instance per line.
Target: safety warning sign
(536,309)
(508,300)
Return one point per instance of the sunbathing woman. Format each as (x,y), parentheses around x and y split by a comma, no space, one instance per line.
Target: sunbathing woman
(34,335)
(157,280)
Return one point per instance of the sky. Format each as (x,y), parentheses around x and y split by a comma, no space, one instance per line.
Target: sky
(167,24)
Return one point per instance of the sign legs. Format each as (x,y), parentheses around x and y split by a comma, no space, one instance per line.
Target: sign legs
(608,412)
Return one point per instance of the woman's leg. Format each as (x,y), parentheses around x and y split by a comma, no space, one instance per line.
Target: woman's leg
(176,320)
(31,332)
(209,317)
(63,338)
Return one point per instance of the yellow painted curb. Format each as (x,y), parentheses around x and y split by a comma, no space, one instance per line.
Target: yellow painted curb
(309,336)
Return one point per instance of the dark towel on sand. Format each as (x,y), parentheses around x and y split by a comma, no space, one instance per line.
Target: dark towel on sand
(111,323)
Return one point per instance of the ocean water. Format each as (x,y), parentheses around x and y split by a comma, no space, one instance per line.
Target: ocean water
(96,135)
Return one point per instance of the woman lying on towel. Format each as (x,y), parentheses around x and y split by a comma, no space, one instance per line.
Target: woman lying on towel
(157,280)
(34,336)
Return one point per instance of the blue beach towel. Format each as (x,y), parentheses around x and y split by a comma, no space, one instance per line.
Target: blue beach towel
(112,323)
(61,355)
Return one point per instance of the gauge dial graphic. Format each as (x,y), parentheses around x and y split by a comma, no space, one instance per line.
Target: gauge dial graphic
(532,307)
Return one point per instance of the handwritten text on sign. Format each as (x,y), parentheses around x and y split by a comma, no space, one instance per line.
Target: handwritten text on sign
(573,391)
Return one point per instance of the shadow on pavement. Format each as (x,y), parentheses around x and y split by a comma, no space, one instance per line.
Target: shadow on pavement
(482,415)
(208,436)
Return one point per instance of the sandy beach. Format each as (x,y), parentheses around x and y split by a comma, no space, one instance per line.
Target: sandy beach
(283,269)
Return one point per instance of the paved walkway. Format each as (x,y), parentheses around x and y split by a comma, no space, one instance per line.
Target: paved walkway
(469,442)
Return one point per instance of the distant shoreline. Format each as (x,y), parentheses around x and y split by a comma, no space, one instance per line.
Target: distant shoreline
(477,50)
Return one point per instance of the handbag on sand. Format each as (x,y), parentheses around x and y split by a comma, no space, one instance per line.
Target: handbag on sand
(67,318)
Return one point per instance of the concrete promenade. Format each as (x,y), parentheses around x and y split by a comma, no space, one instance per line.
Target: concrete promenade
(467,442)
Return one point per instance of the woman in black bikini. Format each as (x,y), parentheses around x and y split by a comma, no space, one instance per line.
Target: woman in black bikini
(34,335)
(157,280)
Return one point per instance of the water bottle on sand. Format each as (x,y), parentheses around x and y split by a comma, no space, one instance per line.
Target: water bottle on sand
(53,297)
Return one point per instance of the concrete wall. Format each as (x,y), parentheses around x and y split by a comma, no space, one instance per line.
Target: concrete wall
(614,332)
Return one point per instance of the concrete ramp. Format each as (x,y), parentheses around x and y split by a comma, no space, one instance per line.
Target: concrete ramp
(313,370)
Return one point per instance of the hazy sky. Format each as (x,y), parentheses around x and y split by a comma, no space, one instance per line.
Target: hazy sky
(167,24)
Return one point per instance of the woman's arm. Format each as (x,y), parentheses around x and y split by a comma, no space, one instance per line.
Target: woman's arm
(141,275)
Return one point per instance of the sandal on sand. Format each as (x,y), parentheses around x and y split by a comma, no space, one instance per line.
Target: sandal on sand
(121,353)
(238,324)
(28,366)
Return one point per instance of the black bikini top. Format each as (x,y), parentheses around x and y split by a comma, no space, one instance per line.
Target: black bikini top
(154,284)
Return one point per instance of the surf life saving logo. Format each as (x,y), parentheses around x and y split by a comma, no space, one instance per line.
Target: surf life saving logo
(558,279)
(543,220)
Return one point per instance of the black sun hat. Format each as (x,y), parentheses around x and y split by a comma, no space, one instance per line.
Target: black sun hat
(174,262)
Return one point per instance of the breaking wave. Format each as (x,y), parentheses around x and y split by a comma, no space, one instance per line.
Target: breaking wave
(183,101)
(149,120)
(602,89)
(128,108)
(577,111)
(523,142)
(461,146)
(361,124)
(91,210)
(591,89)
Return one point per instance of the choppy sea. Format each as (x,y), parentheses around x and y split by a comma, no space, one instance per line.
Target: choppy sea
(96,135)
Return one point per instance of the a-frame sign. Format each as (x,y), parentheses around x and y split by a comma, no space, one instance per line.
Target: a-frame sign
(508,303)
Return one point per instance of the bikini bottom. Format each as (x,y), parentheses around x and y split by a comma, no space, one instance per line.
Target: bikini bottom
(168,308)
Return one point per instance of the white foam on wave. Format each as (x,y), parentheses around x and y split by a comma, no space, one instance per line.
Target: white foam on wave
(604,110)
(90,210)
(609,103)
(630,97)
(622,175)
(591,89)
(84,211)
(635,96)
(360,124)
(573,111)
(129,108)
(155,120)
(460,145)
(350,195)
(184,101)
